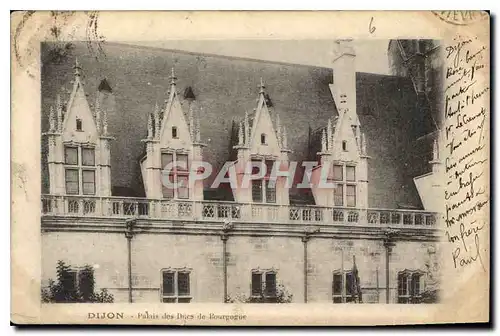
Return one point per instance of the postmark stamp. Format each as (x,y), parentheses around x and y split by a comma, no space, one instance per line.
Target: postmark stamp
(61,27)
(461,17)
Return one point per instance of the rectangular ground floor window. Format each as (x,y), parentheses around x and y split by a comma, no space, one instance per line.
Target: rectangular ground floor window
(410,284)
(176,286)
(343,287)
(264,285)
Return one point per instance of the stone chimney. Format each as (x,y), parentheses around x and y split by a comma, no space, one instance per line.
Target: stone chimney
(343,87)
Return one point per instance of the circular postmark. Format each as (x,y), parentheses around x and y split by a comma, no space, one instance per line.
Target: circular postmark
(461,17)
(60,29)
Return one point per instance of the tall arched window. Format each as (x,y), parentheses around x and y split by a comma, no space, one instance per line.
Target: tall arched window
(263,139)
(174,132)
(344,146)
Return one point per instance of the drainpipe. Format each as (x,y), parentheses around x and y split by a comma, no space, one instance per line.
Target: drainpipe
(129,234)
(305,239)
(228,225)
(388,245)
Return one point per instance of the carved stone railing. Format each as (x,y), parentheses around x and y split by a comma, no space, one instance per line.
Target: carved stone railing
(82,206)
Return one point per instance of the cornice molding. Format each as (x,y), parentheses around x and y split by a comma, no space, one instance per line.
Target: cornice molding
(200,227)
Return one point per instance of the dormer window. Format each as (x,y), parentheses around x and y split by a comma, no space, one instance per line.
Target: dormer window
(263,139)
(262,190)
(174,132)
(178,173)
(344,146)
(344,192)
(80,171)
(79,124)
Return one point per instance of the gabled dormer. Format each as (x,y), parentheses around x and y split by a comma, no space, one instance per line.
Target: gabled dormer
(264,139)
(173,142)
(261,142)
(79,144)
(79,124)
(346,143)
(341,179)
(175,130)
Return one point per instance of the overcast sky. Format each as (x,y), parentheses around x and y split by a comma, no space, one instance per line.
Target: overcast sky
(371,54)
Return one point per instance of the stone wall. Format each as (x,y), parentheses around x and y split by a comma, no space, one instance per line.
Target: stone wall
(202,254)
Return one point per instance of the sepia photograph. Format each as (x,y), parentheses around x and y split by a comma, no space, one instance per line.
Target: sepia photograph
(239,171)
(226,229)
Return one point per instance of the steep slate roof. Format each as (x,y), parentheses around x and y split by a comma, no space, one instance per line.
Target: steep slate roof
(226,87)
(389,114)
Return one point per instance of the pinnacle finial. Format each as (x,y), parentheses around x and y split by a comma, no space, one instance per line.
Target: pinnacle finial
(363,143)
(77,67)
(247,129)
(329,135)
(198,130)
(173,78)
(52,120)
(105,122)
(240,134)
(285,138)
(323,141)
(156,114)
(150,126)
(59,113)
(435,150)
(191,122)
(278,129)
(98,114)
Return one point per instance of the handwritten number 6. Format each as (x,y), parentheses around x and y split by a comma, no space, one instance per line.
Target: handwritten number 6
(371,28)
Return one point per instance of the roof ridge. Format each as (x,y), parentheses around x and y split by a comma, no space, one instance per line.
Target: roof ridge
(257,60)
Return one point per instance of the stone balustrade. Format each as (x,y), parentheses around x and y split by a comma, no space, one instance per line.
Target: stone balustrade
(125,207)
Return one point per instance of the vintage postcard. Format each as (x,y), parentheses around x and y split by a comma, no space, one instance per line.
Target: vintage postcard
(250,168)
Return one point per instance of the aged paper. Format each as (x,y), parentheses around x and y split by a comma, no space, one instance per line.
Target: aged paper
(353,146)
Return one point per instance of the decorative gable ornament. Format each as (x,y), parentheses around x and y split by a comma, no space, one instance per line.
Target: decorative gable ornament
(259,139)
(343,145)
(259,123)
(171,131)
(74,125)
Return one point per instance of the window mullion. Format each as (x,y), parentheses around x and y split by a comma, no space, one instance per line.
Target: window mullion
(80,181)
(408,286)
(343,287)
(344,193)
(79,155)
(176,287)
(262,186)
(344,188)
(263,284)
(80,171)
(263,190)
(174,161)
